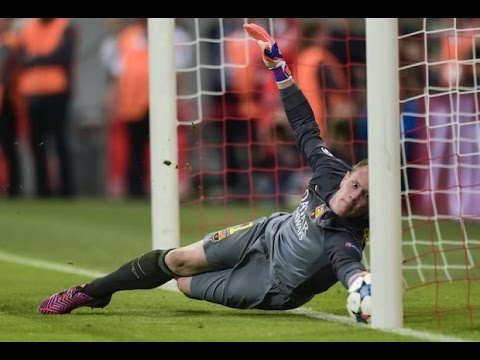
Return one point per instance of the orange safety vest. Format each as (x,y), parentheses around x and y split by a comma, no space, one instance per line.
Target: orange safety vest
(9,39)
(306,70)
(39,39)
(132,90)
(247,76)
(457,47)
(127,37)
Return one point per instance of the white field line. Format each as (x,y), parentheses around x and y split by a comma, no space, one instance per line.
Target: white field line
(70,269)
(64,268)
(422,335)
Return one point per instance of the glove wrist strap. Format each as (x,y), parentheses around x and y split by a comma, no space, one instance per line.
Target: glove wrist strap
(282,73)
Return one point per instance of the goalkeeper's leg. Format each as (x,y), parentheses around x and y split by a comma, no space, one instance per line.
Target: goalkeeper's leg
(144,272)
(151,270)
(159,266)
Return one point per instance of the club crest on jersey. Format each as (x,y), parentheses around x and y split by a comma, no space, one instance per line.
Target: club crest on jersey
(318,212)
(220,235)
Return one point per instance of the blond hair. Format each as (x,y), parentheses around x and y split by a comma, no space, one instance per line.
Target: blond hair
(360,164)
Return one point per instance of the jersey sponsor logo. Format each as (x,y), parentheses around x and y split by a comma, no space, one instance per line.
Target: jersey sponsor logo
(318,212)
(326,151)
(300,217)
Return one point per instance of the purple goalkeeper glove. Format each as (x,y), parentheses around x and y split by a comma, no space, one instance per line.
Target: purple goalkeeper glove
(272,57)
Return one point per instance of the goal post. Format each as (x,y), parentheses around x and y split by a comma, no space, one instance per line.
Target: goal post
(163,134)
(384,171)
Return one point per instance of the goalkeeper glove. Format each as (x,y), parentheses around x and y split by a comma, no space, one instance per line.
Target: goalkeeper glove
(359,301)
(272,57)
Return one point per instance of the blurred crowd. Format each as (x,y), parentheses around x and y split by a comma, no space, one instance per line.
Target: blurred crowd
(74,110)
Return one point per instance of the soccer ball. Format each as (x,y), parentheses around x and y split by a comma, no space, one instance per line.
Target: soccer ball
(359,301)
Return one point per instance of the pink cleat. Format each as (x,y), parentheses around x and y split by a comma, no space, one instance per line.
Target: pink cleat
(67,300)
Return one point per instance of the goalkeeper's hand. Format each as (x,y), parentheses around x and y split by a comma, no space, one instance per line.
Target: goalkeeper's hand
(359,301)
(271,55)
(356,281)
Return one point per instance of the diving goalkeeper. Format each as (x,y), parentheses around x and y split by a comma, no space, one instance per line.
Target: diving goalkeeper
(273,263)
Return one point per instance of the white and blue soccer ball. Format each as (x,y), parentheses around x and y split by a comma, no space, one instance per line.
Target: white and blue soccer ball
(359,301)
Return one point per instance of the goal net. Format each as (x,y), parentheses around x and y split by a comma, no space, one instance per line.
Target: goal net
(238,160)
(240,153)
(440,147)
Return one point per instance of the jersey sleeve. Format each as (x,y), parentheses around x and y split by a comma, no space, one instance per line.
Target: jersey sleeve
(345,255)
(306,131)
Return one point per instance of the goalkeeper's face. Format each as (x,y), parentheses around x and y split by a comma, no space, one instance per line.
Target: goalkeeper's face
(351,199)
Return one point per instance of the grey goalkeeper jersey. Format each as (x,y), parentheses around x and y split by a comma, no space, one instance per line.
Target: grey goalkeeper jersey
(312,248)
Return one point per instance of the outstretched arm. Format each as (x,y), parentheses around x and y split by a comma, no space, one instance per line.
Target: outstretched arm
(345,256)
(298,110)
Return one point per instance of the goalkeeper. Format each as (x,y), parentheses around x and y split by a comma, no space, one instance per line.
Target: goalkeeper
(273,263)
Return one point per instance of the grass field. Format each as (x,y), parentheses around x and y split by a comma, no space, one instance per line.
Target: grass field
(46,246)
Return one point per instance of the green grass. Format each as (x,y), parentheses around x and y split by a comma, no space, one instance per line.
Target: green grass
(154,315)
(100,236)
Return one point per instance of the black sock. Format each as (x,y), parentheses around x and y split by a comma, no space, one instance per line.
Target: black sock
(145,272)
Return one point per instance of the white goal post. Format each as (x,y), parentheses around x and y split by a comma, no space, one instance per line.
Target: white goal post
(384,172)
(163,134)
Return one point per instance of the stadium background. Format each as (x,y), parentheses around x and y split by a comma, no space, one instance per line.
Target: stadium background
(86,233)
